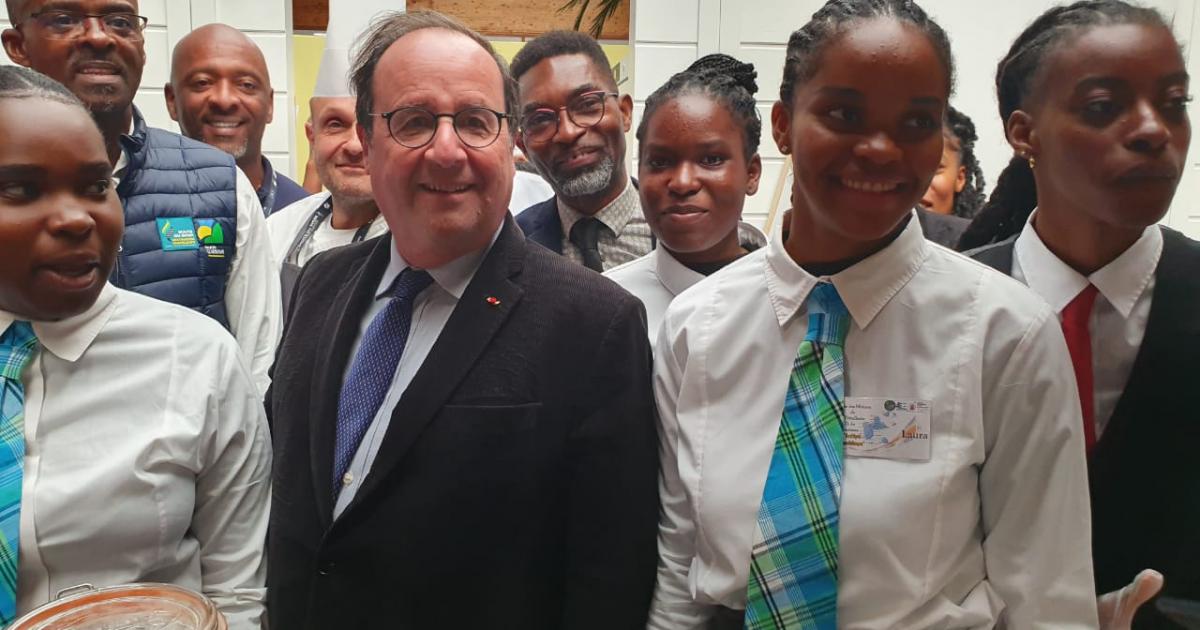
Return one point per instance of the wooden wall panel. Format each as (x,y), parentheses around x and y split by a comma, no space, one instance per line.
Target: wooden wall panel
(493,18)
(310,15)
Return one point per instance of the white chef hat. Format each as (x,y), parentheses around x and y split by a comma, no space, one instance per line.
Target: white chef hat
(347,20)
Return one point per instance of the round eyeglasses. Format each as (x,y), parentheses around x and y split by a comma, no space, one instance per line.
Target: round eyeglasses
(414,127)
(60,24)
(586,110)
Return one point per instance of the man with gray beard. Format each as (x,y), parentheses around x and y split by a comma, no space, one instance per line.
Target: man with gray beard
(573,125)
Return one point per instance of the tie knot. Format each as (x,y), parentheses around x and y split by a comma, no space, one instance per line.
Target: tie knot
(585,234)
(1079,309)
(17,346)
(410,283)
(828,319)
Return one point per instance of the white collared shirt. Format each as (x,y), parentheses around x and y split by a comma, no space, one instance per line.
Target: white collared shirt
(284,225)
(1119,316)
(253,298)
(147,457)
(658,277)
(431,310)
(627,235)
(993,530)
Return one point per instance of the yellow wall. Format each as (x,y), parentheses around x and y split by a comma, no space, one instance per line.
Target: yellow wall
(306,58)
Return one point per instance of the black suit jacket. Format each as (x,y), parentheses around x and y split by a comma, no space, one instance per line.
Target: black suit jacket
(943,229)
(541,225)
(1144,475)
(516,484)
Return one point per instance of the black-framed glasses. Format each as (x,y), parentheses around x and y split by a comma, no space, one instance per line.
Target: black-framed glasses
(60,24)
(585,110)
(414,127)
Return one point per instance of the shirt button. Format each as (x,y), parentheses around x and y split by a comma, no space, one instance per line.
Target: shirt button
(347,479)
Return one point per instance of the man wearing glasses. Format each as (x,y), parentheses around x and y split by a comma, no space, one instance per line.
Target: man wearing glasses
(463,421)
(573,125)
(195,233)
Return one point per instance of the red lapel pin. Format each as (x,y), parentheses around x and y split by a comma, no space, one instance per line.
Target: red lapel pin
(493,301)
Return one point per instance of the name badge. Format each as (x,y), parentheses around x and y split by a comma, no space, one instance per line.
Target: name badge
(177,234)
(887,428)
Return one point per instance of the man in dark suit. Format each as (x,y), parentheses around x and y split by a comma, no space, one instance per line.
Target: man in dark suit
(573,126)
(463,422)
(1145,486)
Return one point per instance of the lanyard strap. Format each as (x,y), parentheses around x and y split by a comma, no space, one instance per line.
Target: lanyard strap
(315,219)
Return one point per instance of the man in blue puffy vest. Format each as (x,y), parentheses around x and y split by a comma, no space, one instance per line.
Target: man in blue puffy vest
(194,228)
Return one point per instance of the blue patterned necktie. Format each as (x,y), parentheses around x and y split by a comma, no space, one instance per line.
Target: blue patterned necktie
(793,566)
(372,370)
(17,346)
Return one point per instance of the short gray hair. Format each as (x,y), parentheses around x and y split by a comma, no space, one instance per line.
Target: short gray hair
(389,28)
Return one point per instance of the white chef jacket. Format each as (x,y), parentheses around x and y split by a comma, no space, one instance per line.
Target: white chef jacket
(147,457)
(253,299)
(994,529)
(658,277)
(285,224)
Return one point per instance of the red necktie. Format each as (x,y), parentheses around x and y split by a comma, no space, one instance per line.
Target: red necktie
(1079,341)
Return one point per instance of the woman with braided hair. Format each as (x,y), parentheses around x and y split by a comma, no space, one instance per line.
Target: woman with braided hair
(1093,97)
(134,445)
(697,162)
(860,429)
(957,187)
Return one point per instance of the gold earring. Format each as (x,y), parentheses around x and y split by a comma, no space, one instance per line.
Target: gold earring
(1030,159)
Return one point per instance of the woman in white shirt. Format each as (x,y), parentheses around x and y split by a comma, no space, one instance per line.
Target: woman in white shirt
(697,162)
(859,429)
(135,446)
(1094,98)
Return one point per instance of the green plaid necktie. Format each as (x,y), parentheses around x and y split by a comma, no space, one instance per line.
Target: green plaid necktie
(793,565)
(17,346)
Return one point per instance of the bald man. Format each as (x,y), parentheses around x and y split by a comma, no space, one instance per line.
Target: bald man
(220,93)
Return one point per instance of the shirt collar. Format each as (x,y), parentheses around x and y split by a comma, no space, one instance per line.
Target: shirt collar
(677,277)
(615,215)
(865,288)
(453,277)
(68,338)
(1121,281)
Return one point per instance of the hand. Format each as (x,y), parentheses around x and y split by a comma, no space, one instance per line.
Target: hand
(1118,607)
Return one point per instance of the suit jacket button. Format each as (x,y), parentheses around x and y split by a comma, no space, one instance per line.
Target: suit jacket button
(325,569)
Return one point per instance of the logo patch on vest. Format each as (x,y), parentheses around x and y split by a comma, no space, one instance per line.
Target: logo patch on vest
(209,232)
(177,234)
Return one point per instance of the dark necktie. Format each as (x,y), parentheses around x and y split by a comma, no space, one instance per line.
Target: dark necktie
(371,372)
(585,235)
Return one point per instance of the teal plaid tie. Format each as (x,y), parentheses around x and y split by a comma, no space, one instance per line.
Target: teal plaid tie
(793,564)
(17,346)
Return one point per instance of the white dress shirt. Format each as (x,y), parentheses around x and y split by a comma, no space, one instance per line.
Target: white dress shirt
(658,277)
(1119,315)
(993,530)
(253,299)
(626,236)
(147,457)
(431,310)
(285,224)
